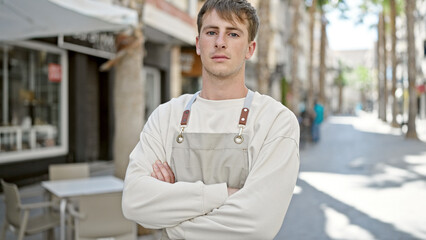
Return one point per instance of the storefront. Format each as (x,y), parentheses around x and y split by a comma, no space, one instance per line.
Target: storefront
(33,93)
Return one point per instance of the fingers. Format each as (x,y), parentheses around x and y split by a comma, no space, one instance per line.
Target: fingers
(163,172)
(171,174)
(157,172)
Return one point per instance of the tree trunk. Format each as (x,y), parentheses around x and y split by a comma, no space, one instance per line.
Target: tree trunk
(380,66)
(129,97)
(128,108)
(323,67)
(295,81)
(385,64)
(410,6)
(394,63)
(340,108)
(312,10)
(263,44)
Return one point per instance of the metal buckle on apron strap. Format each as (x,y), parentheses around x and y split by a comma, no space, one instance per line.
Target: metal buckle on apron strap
(179,138)
(183,124)
(238,139)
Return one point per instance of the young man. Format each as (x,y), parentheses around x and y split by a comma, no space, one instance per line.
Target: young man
(222,163)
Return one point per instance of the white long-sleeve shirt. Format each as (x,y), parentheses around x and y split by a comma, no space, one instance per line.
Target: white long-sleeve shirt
(194,210)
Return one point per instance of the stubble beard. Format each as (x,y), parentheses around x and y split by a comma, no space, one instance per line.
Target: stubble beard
(223,74)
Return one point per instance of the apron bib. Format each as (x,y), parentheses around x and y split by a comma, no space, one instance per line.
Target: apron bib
(211,157)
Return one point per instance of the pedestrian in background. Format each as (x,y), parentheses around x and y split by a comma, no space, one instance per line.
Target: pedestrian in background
(319,117)
(221,163)
(305,121)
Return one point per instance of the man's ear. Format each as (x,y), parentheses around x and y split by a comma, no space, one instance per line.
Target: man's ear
(197,45)
(250,50)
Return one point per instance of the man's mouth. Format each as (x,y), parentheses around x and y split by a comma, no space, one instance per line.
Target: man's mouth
(220,58)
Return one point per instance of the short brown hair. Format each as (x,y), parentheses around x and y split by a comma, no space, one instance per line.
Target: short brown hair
(228,10)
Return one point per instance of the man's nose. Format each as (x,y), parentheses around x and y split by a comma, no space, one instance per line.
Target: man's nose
(220,41)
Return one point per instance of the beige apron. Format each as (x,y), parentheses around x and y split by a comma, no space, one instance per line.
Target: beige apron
(211,157)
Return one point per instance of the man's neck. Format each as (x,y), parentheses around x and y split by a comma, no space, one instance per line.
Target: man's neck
(223,89)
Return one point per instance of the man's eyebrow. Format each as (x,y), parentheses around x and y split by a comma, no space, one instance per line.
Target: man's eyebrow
(227,28)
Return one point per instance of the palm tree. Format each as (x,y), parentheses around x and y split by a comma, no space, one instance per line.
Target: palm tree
(383,5)
(340,81)
(384,69)
(263,43)
(323,4)
(393,14)
(128,91)
(380,66)
(294,41)
(410,6)
(323,67)
(310,97)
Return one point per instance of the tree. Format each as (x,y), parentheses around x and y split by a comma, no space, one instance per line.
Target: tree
(263,43)
(294,42)
(323,53)
(129,99)
(363,82)
(384,68)
(380,79)
(393,14)
(310,97)
(340,81)
(379,7)
(410,6)
(323,5)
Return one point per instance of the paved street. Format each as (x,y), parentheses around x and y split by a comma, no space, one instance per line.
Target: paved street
(363,180)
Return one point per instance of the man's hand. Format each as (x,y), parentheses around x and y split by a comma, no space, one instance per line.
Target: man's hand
(163,172)
(232,191)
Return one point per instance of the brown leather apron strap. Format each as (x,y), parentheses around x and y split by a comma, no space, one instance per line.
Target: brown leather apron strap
(242,121)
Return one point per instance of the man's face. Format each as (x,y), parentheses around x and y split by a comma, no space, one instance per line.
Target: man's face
(223,46)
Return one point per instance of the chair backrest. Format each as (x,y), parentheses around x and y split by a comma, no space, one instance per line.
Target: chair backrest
(103,218)
(12,203)
(69,171)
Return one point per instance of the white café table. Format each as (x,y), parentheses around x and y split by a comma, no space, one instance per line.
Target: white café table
(65,189)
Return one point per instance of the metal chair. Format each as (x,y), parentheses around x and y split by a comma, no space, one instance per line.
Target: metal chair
(18,214)
(100,216)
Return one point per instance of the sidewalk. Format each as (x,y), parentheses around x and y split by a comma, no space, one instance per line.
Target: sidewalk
(363,180)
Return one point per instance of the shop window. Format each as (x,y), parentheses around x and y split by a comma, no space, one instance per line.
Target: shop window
(32,81)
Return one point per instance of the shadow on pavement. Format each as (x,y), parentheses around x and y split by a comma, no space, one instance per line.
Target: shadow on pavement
(305,218)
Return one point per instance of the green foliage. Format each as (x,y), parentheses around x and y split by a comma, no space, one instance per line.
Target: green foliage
(342,75)
(363,78)
(376,6)
(328,5)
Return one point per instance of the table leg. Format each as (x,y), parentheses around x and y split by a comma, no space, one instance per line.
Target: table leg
(63,208)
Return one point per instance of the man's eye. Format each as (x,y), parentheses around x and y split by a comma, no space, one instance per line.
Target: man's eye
(233,35)
(211,33)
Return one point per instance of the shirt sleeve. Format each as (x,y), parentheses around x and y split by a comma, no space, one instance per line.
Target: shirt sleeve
(156,204)
(257,210)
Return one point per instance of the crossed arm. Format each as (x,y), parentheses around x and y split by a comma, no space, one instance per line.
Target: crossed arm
(187,210)
(163,172)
